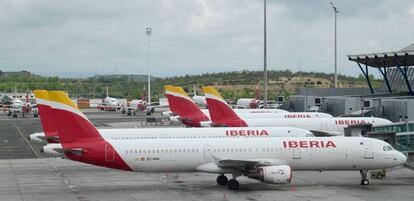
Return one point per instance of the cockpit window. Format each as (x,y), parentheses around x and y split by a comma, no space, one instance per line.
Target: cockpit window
(387,148)
(310,135)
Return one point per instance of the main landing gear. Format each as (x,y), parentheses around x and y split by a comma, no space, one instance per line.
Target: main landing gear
(222,180)
(232,184)
(364,180)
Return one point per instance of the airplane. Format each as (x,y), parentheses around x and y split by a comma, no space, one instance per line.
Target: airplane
(222,115)
(143,105)
(108,103)
(187,112)
(268,160)
(137,104)
(50,134)
(15,105)
(250,103)
(259,114)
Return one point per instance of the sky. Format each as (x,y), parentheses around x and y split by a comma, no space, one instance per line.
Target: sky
(87,37)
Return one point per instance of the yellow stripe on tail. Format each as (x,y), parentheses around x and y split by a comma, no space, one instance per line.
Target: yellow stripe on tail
(181,91)
(61,97)
(41,94)
(211,91)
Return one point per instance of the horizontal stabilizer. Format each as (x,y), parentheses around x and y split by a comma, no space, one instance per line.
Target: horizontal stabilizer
(74,151)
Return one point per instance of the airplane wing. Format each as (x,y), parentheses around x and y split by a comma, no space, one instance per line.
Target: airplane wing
(242,164)
(74,151)
(238,165)
(322,133)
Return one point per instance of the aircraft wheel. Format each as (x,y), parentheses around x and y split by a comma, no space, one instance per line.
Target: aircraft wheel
(364,182)
(222,180)
(233,184)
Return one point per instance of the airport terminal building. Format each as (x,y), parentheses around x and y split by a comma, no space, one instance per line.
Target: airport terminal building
(393,101)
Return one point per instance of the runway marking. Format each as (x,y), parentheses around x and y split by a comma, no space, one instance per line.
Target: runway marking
(30,146)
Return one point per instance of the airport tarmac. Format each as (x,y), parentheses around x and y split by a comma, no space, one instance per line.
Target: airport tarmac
(60,179)
(26,174)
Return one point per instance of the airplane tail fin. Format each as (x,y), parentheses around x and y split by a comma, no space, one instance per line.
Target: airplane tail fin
(71,123)
(45,111)
(79,138)
(221,113)
(190,114)
(169,92)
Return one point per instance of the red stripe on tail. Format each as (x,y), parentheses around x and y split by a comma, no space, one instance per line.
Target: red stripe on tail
(223,114)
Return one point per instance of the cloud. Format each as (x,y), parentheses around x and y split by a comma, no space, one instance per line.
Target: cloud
(189,37)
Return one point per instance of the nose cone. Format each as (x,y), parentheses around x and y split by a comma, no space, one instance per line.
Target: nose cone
(401,158)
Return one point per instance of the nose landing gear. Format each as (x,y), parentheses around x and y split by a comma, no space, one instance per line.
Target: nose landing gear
(364,180)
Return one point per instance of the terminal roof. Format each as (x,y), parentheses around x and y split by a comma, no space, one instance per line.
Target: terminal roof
(403,57)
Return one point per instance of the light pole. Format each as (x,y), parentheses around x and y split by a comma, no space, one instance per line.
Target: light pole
(265,60)
(336,69)
(148,32)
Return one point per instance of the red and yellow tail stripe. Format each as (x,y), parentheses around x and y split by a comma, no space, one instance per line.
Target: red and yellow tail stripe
(177,92)
(212,93)
(59,100)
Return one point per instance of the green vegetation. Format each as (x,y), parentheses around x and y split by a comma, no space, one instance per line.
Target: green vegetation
(233,84)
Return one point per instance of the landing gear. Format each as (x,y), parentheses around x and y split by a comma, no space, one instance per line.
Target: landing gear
(222,180)
(364,180)
(233,184)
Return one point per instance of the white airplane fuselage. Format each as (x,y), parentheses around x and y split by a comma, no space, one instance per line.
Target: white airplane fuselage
(200,100)
(326,153)
(333,126)
(274,113)
(149,133)
(113,102)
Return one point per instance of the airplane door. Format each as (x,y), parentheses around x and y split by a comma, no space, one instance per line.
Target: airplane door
(368,152)
(296,153)
(109,152)
(207,151)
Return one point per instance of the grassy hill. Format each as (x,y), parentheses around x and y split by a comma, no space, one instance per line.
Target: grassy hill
(233,84)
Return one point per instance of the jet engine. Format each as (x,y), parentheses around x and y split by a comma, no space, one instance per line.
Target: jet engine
(271,174)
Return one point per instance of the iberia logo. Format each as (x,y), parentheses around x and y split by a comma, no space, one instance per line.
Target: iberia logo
(297,116)
(309,144)
(350,122)
(246,132)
